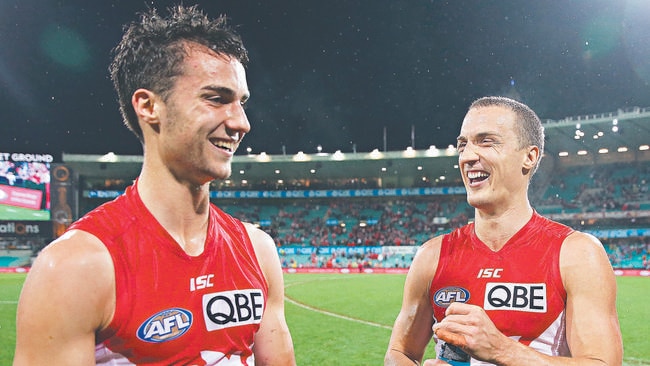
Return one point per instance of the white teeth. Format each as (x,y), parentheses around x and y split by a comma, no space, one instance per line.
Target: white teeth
(475,175)
(230,146)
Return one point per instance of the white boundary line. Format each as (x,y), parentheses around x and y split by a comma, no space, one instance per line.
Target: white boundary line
(324,312)
(632,361)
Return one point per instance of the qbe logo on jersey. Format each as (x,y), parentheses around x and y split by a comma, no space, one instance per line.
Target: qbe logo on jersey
(528,297)
(233,308)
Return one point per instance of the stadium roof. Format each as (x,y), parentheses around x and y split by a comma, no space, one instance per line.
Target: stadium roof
(628,128)
(574,140)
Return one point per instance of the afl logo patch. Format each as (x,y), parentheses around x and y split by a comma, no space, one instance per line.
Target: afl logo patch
(445,296)
(166,325)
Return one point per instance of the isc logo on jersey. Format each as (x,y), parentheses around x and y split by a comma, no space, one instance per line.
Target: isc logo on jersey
(445,296)
(233,308)
(165,325)
(528,297)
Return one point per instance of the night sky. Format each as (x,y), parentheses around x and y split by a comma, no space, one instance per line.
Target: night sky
(333,73)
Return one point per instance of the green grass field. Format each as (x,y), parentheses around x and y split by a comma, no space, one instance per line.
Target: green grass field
(345,319)
(12,213)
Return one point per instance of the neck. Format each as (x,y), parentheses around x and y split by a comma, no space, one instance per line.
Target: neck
(496,229)
(181,208)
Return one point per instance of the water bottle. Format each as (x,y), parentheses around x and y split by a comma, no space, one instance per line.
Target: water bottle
(453,355)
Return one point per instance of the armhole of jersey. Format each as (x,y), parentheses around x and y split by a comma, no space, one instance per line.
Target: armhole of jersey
(254,256)
(220,216)
(556,265)
(121,302)
(442,262)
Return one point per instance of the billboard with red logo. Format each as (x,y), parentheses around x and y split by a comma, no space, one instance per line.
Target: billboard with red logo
(25,186)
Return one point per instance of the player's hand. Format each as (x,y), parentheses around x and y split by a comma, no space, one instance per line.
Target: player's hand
(457,340)
(469,327)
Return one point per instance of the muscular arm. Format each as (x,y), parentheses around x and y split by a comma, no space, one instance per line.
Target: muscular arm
(593,331)
(412,329)
(273,343)
(66,298)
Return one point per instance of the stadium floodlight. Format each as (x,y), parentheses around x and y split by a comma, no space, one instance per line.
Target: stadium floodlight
(432,151)
(338,155)
(109,158)
(375,154)
(263,157)
(301,156)
(409,152)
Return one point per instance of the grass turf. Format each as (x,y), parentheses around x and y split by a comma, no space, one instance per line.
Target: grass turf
(345,319)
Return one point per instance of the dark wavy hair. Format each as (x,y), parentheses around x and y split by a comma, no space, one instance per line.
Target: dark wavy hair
(529,129)
(152,50)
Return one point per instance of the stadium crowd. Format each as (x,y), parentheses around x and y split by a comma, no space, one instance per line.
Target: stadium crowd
(591,189)
(409,221)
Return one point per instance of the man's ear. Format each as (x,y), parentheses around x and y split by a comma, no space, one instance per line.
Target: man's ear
(144,103)
(532,157)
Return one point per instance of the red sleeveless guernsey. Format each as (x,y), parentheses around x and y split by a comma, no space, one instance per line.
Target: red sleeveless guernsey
(172,308)
(519,286)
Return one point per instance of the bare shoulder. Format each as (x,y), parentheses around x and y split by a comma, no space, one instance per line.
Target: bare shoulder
(74,252)
(265,249)
(582,249)
(260,239)
(74,268)
(423,268)
(431,247)
(68,296)
(427,256)
(593,330)
(583,261)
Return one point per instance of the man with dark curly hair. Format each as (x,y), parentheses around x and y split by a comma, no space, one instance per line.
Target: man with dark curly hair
(160,275)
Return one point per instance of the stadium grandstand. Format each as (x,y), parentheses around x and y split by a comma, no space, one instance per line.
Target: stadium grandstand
(368,211)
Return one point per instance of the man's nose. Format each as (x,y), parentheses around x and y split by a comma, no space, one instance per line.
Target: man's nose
(237,120)
(468,154)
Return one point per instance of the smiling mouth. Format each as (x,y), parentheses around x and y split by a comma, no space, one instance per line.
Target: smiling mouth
(475,177)
(228,146)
